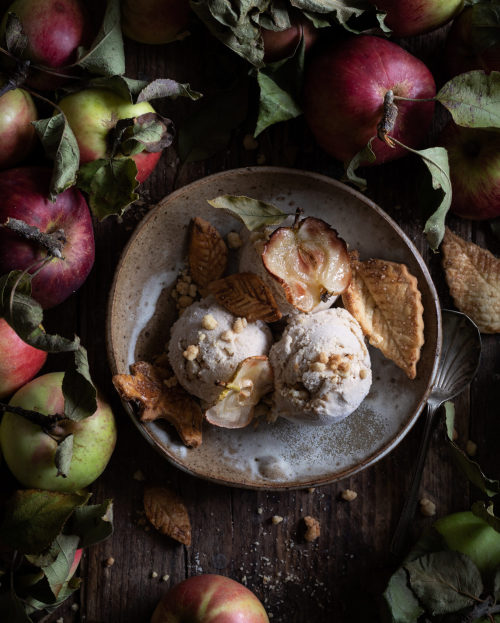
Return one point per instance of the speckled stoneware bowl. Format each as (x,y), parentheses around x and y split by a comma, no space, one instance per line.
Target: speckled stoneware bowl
(281,455)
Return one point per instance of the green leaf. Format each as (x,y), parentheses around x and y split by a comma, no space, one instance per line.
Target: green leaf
(363,157)
(403,606)
(473,99)
(473,471)
(445,582)
(63,456)
(252,212)
(56,564)
(60,145)
(110,185)
(106,56)
(150,132)
(34,518)
(485,26)
(125,88)
(80,395)
(92,524)
(486,512)
(165,87)
(449,415)
(343,10)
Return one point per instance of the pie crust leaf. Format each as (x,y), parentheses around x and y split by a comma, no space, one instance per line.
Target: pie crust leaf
(207,252)
(146,386)
(384,298)
(473,276)
(247,296)
(168,513)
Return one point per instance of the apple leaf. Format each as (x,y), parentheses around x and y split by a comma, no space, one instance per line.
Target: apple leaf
(165,87)
(15,37)
(445,582)
(252,212)
(341,10)
(486,512)
(106,56)
(80,396)
(280,87)
(41,596)
(473,99)
(403,606)
(92,523)
(34,518)
(60,145)
(110,185)
(149,132)
(126,88)
(363,157)
(63,456)
(485,26)
(56,563)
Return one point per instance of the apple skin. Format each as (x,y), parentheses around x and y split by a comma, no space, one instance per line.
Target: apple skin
(92,113)
(459,53)
(29,452)
(414,17)
(154,21)
(344,91)
(280,44)
(209,598)
(17,134)
(19,362)
(24,193)
(472,536)
(474,156)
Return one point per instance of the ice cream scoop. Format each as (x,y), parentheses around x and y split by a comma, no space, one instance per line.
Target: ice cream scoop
(207,343)
(321,367)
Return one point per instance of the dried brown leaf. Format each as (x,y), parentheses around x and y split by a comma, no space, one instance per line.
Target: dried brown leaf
(168,513)
(384,298)
(146,385)
(247,296)
(207,252)
(473,276)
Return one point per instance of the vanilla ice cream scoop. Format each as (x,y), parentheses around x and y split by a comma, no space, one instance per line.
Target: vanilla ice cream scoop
(207,343)
(321,367)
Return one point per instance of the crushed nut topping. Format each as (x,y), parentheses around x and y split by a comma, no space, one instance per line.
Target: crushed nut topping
(349,495)
(184,301)
(239,325)
(323,357)
(227,336)
(191,352)
(317,366)
(363,373)
(208,322)
(276,519)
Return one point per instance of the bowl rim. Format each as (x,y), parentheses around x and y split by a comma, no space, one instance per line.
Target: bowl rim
(363,464)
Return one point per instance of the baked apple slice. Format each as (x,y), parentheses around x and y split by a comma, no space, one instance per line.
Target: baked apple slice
(309,260)
(235,406)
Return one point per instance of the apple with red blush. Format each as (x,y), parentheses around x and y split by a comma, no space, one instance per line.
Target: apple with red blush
(280,44)
(25,197)
(344,91)
(19,362)
(209,598)
(17,134)
(155,21)
(414,17)
(474,157)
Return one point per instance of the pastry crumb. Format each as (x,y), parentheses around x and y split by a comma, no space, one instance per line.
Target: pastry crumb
(276,519)
(427,507)
(154,574)
(109,562)
(312,528)
(349,495)
(165,578)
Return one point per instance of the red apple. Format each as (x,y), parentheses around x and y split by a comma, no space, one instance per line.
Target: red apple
(414,17)
(209,599)
(92,113)
(19,362)
(460,54)
(474,156)
(17,135)
(344,93)
(155,21)
(30,452)
(25,196)
(280,44)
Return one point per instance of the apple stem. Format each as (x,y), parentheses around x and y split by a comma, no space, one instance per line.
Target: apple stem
(298,213)
(53,242)
(388,121)
(46,422)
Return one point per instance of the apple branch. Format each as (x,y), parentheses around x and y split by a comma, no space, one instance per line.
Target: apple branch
(46,422)
(53,242)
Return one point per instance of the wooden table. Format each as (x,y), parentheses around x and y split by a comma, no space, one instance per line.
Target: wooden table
(340,576)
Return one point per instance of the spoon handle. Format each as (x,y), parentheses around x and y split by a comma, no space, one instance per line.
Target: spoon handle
(401,532)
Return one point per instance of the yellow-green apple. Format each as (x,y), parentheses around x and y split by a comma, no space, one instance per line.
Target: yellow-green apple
(54,29)
(155,21)
(344,92)
(460,53)
(474,156)
(414,17)
(92,113)
(19,362)
(25,196)
(466,533)
(209,598)
(280,44)
(17,134)
(30,452)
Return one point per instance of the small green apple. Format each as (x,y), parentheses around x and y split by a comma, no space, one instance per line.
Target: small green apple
(30,452)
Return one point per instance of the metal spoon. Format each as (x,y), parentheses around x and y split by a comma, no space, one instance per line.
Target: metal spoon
(460,355)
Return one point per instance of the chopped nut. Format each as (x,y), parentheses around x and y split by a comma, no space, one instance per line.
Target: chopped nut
(182,287)
(260,510)
(239,325)
(323,357)
(276,519)
(202,336)
(363,373)
(317,366)
(234,240)
(249,142)
(471,448)
(227,336)
(348,495)
(208,322)
(427,507)
(312,528)
(191,352)
(193,290)
(75,607)
(109,562)
(154,574)
(139,476)
(165,578)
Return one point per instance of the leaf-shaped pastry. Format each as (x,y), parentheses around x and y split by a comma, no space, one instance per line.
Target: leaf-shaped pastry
(473,276)
(384,298)
(168,514)
(207,252)
(247,296)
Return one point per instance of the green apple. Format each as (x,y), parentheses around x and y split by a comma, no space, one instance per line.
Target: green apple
(30,452)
